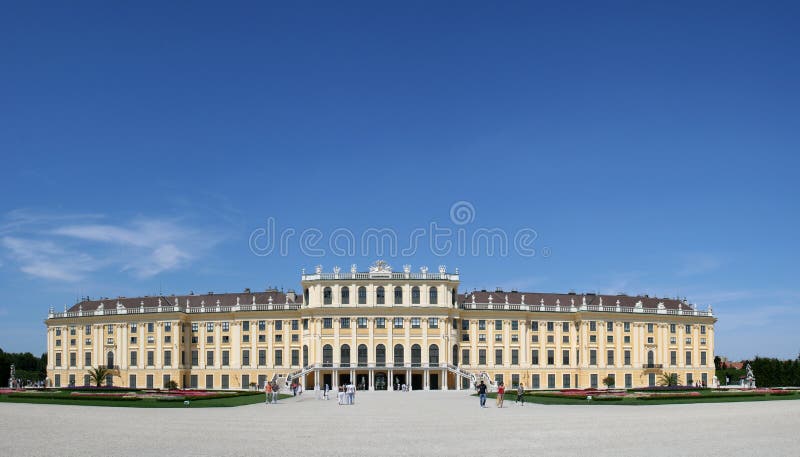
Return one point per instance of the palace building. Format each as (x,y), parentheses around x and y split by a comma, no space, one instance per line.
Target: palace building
(381,329)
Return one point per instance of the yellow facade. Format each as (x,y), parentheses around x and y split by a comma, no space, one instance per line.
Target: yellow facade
(382,329)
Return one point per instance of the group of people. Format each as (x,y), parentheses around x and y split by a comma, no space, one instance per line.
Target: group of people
(297,389)
(501,393)
(347,394)
(271,390)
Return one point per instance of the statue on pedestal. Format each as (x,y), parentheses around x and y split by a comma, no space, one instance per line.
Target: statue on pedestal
(749,380)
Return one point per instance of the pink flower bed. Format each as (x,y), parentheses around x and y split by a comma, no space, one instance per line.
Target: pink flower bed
(101,394)
(9,391)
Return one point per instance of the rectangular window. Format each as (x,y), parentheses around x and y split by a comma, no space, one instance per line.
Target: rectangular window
(498,337)
(593,357)
(649,328)
(703,358)
(168,339)
(535,357)
(465,356)
(278,338)
(565,326)
(610,357)
(226,326)
(362,322)
(551,381)
(689,379)
(514,326)
(295,324)
(514,380)
(131,381)
(481,324)
(593,338)
(150,358)
(279,325)
(565,357)
(535,326)
(551,339)
(245,381)
(482,337)
(498,356)
(209,381)
(687,329)
(246,358)
(565,381)
(688,358)
(245,326)
(498,324)
(295,357)
(209,358)
(327,322)
(465,324)
(151,327)
(209,339)
(149,382)
(167,358)
(278,357)
(225,381)
(551,357)
(551,326)
(305,324)
(226,358)
(398,322)
(626,327)
(88,330)
(433,322)
(110,329)
(262,357)
(515,357)
(87,359)
(609,338)
(610,326)
(534,338)
(167,326)
(195,326)
(649,340)
(195,358)
(592,326)
(702,329)
(628,381)
(688,341)
(673,358)
(344,322)
(535,381)
(245,338)
(673,328)
(73,359)
(380,322)
(626,339)
(481,356)
(209,326)
(627,356)
(593,381)
(415,322)
(262,325)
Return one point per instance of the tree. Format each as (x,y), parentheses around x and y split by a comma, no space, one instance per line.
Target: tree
(717,362)
(669,379)
(608,381)
(172,385)
(98,375)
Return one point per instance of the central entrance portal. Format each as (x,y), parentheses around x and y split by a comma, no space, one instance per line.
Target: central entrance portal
(416,381)
(434,381)
(399,380)
(380,381)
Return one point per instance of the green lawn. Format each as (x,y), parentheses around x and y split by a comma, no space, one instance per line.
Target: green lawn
(706,396)
(244,398)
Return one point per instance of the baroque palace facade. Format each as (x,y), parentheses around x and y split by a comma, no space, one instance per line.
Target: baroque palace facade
(381,329)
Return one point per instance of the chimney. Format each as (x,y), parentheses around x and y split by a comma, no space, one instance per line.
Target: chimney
(291,296)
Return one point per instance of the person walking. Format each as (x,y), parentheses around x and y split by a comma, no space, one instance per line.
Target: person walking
(520,394)
(325,392)
(268,393)
(351,394)
(482,393)
(501,392)
(275,389)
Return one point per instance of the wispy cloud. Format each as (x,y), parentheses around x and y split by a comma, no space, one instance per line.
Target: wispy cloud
(66,248)
(699,263)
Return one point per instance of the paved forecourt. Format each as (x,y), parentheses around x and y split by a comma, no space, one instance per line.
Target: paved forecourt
(404,423)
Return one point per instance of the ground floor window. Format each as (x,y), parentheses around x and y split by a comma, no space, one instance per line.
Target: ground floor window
(72,380)
(593,381)
(225,383)
(57,380)
(86,380)
(535,381)
(565,381)
(149,382)
(514,380)
(651,379)
(165,380)
(245,381)
(704,378)
(209,381)
(132,381)
(193,381)
(613,380)
(498,379)
(262,381)
(628,381)
(110,380)
(551,381)
(689,379)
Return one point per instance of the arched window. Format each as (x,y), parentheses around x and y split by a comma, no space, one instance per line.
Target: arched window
(433,355)
(345,295)
(380,355)
(327,297)
(380,296)
(415,295)
(305,297)
(433,294)
(327,355)
(362,355)
(398,295)
(416,355)
(345,355)
(454,297)
(650,358)
(398,355)
(455,355)
(110,360)
(305,356)
(362,295)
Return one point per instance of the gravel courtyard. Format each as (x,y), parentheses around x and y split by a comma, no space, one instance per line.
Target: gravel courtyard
(396,423)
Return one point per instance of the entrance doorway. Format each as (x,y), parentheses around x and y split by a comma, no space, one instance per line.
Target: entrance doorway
(344,379)
(416,381)
(434,381)
(327,379)
(399,380)
(380,381)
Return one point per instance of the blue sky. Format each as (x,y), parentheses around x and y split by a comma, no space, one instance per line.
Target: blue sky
(651,147)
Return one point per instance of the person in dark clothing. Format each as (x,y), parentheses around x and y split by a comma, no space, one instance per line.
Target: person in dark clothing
(520,394)
(482,393)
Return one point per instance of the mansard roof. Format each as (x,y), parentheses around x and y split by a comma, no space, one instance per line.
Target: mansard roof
(195,301)
(566,299)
